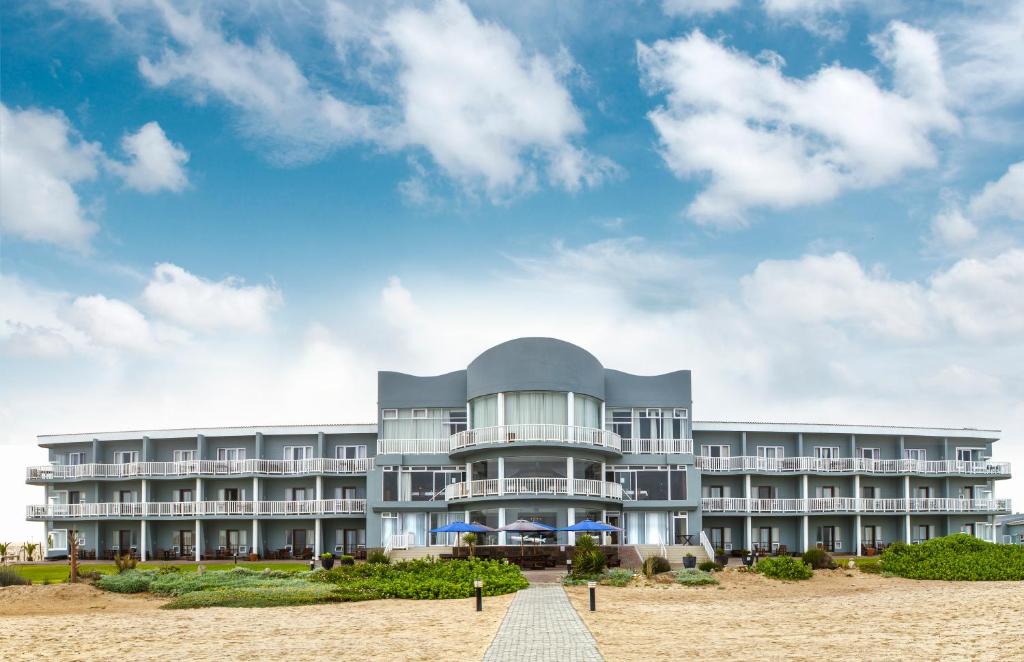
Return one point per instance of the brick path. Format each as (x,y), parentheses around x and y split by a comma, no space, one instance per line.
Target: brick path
(541,625)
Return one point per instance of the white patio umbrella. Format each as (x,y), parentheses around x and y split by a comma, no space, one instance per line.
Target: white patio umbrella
(525,526)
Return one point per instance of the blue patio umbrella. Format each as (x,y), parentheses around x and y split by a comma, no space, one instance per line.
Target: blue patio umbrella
(590,526)
(462,527)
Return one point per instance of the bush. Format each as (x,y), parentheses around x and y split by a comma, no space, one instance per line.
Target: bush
(871,565)
(694,577)
(264,596)
(819,559)
(345,559)
(588,559)
(377,556)
(784,567)
(959,557)
(655,565)
(124,563)
(617,577)
(128,581)
(707,566)
(426,579)
(8,577)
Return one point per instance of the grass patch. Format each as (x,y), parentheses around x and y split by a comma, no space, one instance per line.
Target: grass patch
(426,579)
(784,567)
(613,577)
(869,564)
(959,557)
(8,577)
(694,577)
(57,572)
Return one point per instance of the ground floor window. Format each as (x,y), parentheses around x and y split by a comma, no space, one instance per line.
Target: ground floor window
(58,540)
(647,528)
(347,541)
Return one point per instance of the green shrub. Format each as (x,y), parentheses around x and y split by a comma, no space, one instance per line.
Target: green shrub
(426,579)
(694,577)
(617,577)
(264,596)
(959,557)
(708,566)
(869,564)
(345,559)
(124,563)
(819,559)
(784,567)
(129,581)
(655,565)
(587,559)
(377,556)
(8,577)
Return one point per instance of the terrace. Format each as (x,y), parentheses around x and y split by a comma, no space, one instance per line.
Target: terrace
(200,468)
(495,487)
(850,465)
(156,509)
(854,505)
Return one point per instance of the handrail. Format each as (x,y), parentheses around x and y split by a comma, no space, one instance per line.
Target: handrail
(413,446)
(854,505)
(706,544)
(657,446)
(751,463)
(533,486)
(537,432)
(255,467)
(198,509)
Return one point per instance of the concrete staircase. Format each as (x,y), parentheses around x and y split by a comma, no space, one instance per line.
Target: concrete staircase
(674,553)
(417,553)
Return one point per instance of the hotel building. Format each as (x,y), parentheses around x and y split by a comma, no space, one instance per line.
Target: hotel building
(533,428)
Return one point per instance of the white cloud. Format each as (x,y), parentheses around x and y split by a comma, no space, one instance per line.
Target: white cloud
(767,140)
(42,160)
(694,7)
(197,303)
(277,102)
(984,45)
(112,323)
(983,299)
(155,163)
(486,110)
(952,228)
(1003,198)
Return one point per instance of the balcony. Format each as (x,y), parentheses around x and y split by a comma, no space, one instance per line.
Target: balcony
(536,433)
(657,446)
(413,446)
(850,465)
(173,509)
(533,487)
(853,505)
(200,468)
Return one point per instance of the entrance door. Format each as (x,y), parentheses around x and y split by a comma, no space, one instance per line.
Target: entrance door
(679,529)
(717,536)
(298,541)
(871,537)
(828,538)
(124,540)
(352,539)
(968,529)
(968,454)
(967,493)
(767,541)
(615,537)
(183,542)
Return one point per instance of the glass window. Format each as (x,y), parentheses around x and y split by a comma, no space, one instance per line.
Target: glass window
(652,485)
(421,485)
(349,452)
(485,411)
(58,539)
(422,423)
(485,470)
(650,423)
(524,407)
(586,411)
(586,469)
(677,482)
(626,479)
(489,518)
(390,483)
(622,423)
(534,467)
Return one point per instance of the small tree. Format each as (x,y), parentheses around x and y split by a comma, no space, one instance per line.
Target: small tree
(30,550)
(3,551)
(469,539)
(73,542)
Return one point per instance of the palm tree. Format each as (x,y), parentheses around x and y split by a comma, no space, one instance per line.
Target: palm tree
(30,550)
(73,541)
(3,551)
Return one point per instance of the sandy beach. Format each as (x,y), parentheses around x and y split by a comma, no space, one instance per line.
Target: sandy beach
(83,623)
(833,616)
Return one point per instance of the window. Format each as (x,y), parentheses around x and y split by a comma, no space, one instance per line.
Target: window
(423,423)
(764,492)
(419,413)
(923,492)
(485,411)
(298,452)
(125,496)
(230,454)
(680,413)
(58,539)
(649,483)
(76,458)
(870,453)
(389,414)
(968,454)
(184,455)
(868,491)
(714,451)
(298,494)
(126,457)
(825,491)
(826,452)
(621,422)
(528,407)
(771,452)
(679,416)
(349,452)
(586,411)
(183,496)
(918,454)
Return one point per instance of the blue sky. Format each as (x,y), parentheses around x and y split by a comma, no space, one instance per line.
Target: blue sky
(236,213)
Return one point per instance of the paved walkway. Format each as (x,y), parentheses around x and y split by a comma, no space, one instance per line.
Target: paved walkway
(541,625)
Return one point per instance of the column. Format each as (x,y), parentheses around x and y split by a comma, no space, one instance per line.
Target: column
(145,449)
(501,523)
(259,446)
(856,490)
(320,444)
(804,490)
(501,475)
(860,533)
(570,414)
(805,525)
(746,486)
(570,515)
(906,528)
(199,540)
(256,546)
(318,538)
(142,539)
(96,456)
(743,443)
(570,486)
(800,444)
(501,409)
(96,537)
(469,417)
(604,414)
(748,528)
(853,445)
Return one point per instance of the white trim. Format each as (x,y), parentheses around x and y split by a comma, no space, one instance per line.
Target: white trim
(680,412)
(46,440)
(389,414)
(419,413)
(56,548)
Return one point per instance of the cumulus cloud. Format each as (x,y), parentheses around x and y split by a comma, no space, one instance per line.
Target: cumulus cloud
(694,7)
(197,303)
(763,139)
(1000,199)
(112,323)
(985,49)
(42,160)
(983,298)
(154,164)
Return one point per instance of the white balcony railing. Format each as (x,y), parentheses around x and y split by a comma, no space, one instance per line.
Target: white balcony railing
(853,505)
(544,432)
(413,446)
(657,446)
(312,466)
(750,464)
(533,487)
(198,509)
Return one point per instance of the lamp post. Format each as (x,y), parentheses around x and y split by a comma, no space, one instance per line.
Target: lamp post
(593,595)
(478,584)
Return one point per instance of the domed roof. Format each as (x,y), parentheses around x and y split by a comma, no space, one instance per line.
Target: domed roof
(535,364)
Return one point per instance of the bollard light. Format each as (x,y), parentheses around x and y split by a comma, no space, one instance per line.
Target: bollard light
(312,564)
(478,584)
(593,595)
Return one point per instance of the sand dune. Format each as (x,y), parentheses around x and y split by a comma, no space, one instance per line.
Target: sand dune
(833,616)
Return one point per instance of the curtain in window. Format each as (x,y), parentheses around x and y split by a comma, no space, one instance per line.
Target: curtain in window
(536,407)
(656,525)
(387,529)
(587,411)
(485,411)
(433,426)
